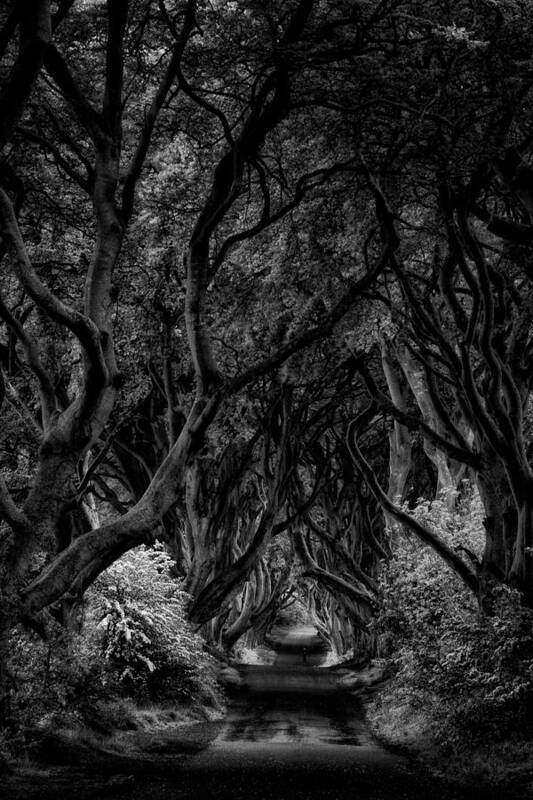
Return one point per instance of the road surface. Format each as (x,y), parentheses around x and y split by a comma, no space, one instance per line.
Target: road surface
(290,735)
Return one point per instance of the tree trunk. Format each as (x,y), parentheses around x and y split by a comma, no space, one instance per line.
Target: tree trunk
(415,375)
(521,573)
(500,516)
(400,440)
(232,633)
(226,585)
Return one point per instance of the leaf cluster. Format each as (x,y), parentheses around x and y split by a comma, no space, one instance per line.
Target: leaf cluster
(473,672)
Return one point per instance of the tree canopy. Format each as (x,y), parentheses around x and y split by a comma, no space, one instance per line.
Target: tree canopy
(266,277)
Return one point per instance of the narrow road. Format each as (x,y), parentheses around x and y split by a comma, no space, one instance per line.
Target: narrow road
(291,735)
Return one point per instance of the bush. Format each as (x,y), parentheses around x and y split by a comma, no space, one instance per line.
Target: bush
(135,642)
(136,620)
(458,676)
(48,677)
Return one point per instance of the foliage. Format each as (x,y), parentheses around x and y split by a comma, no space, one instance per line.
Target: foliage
(194,187)
(47,677)
(294,613)
(137,621)
(135,642)
(458,676)
(418,590)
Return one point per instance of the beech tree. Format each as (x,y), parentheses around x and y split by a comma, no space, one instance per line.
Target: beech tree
(459,279)
(191,195)
(116,80)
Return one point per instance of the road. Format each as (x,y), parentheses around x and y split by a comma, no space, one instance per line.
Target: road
(290,735)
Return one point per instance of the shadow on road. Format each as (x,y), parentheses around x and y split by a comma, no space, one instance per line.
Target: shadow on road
(293,732)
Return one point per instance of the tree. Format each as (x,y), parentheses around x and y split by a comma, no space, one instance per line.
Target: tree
(457,284)
(99,109)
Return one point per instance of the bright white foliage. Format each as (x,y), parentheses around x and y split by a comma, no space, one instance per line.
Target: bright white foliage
(137,613)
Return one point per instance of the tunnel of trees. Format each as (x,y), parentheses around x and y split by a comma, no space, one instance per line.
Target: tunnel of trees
(266,286)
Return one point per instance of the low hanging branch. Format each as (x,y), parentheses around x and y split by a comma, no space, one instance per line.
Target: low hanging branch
(427,536)
(337,584)
(340,550)
(348,594)
(223,587)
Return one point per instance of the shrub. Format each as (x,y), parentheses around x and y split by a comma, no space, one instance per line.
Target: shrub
(466,677)
(136,620)
(48,676)
(135,642)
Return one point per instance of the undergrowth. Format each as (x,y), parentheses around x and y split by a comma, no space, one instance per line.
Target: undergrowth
(134,646)
(461,686)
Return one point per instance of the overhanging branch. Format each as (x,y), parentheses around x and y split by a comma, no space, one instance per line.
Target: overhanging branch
(427,536)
